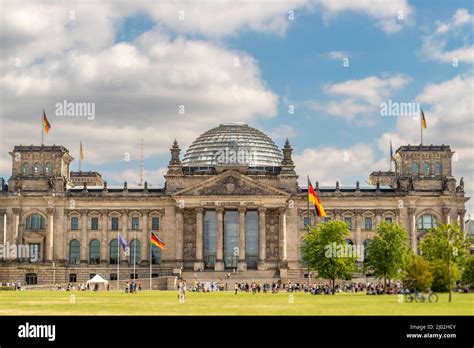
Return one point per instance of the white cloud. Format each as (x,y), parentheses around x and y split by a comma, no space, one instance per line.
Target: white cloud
(434,45)
(390,16)
(343,164)
(460,18)
(358,97)
(337,55)
(282,132)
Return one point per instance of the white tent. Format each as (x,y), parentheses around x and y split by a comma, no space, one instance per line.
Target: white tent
(97,280)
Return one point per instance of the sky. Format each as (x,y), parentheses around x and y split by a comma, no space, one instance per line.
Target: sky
(314,71)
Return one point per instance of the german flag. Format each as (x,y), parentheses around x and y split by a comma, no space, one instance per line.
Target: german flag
(46,125)
(313,198)
(157,241)
(423,119)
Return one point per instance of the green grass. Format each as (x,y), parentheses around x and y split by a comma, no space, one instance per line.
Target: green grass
(166,303)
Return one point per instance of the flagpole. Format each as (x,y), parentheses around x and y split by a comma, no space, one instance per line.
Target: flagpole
(151,260)
(118,261)
(421,126)
(80,155)
(42,129)
(135,257)
(309,228)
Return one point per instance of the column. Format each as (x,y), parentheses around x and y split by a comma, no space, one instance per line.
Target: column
(462,214)
(282,234)
(50,235)
(358,227)
(179,234)
(378,217)
(104,243)
(146,235)
(242,264)
(199,263)
(412,224)
(16,227)
(84,240)
(219,266)
(337,214)
(446,216)
(262,239)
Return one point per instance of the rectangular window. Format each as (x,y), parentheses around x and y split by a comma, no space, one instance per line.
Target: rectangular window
(95,223)
(327,219)
(135,223)
(74,223)
(306,222)
(155,223)
(348,221)
(73,278)
(31,279)
(133,275)
(368,223)
(113,276)
(35,252)
(115,223)
(389,220)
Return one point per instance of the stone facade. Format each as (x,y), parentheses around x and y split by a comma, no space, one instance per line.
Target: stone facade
(41,186)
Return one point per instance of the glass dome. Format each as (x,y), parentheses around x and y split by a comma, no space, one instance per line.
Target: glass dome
(233,144)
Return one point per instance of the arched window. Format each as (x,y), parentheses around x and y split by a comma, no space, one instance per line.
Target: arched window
(94,252)
(414,168)
(74,252)
(437,168)
(426,168)
(135,251)
(37,168)
(25,169)
(113,252)
(48,168)
(155,255)
(35,222)
(426,221)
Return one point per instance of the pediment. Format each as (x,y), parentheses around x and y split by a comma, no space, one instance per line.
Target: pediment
(231,183)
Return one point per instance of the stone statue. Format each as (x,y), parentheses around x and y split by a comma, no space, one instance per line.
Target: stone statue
(411,186)
(51,183)
(445,184)
(461,184)
(357,185)
(337,185)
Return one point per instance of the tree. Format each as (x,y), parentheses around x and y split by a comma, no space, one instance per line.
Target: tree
(468,271)
(418,274)
(441,277)
(448,244)
(325,250)
(389,253)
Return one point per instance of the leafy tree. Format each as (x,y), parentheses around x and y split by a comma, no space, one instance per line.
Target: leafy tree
(325,250)
(468,271)
(389,253)
(418,274)
(448,244)
(441,278)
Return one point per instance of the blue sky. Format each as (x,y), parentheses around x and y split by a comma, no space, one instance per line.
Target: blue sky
(139,62)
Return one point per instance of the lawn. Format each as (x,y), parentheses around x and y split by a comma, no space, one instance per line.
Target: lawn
(36,302)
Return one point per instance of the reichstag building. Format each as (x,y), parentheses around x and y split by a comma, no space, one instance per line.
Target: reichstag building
(232,202)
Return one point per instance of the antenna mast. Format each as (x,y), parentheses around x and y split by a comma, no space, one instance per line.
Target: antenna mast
(141,163)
